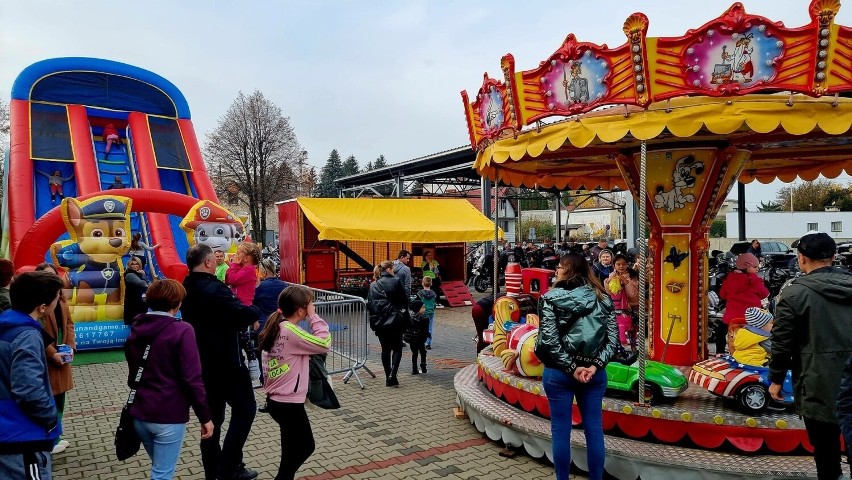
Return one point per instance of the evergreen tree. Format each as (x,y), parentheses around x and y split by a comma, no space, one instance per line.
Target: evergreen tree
(331,171)
(380,163)
(368,166)
(350,166)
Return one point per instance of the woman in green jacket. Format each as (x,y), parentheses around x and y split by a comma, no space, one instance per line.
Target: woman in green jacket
(577,337)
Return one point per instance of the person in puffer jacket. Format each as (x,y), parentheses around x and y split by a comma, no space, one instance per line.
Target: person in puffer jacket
(29,424)
(286,351)
(577,337)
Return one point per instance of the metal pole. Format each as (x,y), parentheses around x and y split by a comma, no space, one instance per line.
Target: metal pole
(495,256)
(643,274)
(741,210)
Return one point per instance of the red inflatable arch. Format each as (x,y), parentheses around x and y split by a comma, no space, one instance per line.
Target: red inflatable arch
(49,227)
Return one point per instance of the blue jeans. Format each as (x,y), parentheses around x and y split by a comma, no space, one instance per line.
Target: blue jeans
(561,389)
(431,322)
(163,442)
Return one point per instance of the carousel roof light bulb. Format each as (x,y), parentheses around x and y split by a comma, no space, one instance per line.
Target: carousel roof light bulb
(770,62)
(820,76)
(640,78)
(636,48)
(548,93)
(637,58)
(824,32)
(543,80)
(696,68)
(690,50)
(822,53)
(711,32)
(735,36)
(823,43)
(551,106)
(640,88)
(779,44)
(821,65)
(696,83)
(637,67)
(553,63)
(762,28)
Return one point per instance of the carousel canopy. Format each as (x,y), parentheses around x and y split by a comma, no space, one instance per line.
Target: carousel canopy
(397,220)
(739,80)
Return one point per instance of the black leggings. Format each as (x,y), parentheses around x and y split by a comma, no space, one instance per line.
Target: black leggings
(415,349)
(721,337)
(297,439)
(391,343)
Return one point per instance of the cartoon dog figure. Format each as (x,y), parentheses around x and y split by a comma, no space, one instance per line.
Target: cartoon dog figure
(682,178)
(99,238)
(210,224)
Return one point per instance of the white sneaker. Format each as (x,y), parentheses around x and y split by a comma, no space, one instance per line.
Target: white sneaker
(60,447)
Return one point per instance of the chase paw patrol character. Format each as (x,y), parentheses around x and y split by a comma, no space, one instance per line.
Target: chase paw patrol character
(210,224)
(99,238)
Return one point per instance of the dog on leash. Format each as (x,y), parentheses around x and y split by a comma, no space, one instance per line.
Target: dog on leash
(99,238)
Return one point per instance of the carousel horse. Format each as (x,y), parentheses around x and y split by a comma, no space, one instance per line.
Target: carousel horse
(514,342)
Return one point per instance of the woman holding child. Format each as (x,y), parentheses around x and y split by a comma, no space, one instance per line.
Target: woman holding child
(387,305)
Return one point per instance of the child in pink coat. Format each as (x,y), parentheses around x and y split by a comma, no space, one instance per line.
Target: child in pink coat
(286,351)
(241,275)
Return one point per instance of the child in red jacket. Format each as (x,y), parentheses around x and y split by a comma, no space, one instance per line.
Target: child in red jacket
(741,289)
(286,351)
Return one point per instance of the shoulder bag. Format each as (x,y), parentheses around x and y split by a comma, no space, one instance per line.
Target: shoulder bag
(127,441)
(395,317)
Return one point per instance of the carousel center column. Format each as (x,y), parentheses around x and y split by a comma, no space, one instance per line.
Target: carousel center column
(685,189)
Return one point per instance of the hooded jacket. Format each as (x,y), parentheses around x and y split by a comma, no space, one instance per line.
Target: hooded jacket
(28,418)
(576,328)
(741,290)
(812,336)
(171,381)
(286,364)
(748,348)
(429,299)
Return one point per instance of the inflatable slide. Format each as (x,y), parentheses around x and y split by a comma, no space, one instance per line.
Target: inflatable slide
(70,200)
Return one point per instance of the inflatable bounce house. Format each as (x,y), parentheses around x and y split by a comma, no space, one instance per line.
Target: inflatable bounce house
(101,151)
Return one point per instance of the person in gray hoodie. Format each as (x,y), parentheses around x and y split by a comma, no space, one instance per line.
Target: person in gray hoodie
(812,336)
(29,423)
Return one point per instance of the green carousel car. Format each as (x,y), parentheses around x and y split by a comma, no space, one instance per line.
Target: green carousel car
(661,381)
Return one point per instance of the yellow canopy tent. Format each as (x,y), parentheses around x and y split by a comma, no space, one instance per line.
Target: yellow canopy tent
(397,220)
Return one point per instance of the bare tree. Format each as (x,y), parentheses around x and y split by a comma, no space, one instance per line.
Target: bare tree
(255,148)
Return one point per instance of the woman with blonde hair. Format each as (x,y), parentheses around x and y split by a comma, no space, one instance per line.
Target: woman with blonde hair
(577,337)
(286,351)
(387,304)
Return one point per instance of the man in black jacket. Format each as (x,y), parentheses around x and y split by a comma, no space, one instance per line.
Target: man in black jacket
(218,318)
(811,337)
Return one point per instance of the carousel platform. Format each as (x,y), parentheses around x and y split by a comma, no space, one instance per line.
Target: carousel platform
(642,456)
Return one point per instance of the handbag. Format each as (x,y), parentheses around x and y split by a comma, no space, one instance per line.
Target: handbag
(389,316)
(320,392)
(127,441)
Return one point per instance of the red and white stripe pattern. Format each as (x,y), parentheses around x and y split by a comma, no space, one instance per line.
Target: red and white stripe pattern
(720,376)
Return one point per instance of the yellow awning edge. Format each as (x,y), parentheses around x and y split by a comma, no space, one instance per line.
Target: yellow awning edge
(405,220)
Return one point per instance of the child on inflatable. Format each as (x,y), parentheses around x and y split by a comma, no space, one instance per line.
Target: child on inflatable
(110,136)
(751,345)
(55,180)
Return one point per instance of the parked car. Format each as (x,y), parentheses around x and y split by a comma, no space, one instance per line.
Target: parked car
(661,381)
(748,385)
(777,254)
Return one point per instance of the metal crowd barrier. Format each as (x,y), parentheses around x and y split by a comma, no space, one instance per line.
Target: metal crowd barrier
(346,316)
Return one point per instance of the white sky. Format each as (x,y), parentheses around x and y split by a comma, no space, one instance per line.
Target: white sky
(365,77)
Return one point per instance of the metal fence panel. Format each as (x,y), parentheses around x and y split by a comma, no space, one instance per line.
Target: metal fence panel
(348,324)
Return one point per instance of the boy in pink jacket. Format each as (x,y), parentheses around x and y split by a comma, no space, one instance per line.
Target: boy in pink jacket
(286,351)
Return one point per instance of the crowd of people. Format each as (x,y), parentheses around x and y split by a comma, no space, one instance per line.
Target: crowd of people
(188,348)
(809,334)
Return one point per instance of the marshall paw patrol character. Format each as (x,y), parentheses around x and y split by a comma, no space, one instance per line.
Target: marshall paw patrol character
(211,224)
(99,238)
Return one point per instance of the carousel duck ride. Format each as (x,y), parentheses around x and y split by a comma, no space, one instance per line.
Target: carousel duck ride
(676,121)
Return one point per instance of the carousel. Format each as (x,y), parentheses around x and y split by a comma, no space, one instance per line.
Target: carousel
(677,121)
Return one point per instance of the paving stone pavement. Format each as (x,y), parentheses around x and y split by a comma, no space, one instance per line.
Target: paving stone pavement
(407,432)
